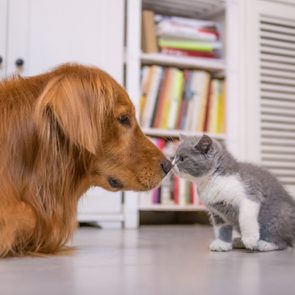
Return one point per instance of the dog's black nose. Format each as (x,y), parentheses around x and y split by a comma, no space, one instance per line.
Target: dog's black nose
(166,166)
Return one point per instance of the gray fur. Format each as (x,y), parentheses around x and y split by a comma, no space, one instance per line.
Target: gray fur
(277,208)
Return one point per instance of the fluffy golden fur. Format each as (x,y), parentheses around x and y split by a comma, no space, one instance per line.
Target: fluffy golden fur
(60,133)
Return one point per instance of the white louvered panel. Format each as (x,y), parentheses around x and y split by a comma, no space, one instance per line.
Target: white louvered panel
(267,149)
(278,157)
(278,88)
(276,29)
(286,2)
(265,49)
(272,74)
(289,82)
(278,118)
(266,93)
(275,126)
(274,65)
(278,135)
(277,44)
(280,165)
(277,36)
(277,95)
(278,104)
(277,58)
(277,107)
(280,144)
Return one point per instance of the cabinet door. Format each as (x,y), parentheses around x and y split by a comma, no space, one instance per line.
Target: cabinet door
(3,28)
(271,87)
(46,33)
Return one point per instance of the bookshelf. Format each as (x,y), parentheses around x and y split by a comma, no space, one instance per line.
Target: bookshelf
(225,12)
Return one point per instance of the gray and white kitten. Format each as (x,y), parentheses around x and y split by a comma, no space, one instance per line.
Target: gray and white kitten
(239,196)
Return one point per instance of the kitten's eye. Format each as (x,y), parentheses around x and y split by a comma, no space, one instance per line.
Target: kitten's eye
(181,158)
(124,120)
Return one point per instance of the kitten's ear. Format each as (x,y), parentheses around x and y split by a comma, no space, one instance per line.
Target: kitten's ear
(204,144)
(182,137)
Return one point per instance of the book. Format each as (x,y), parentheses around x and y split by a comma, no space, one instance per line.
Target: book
(221,110)
(175,99)
(189,44)
(186,98)
(160,103)
(191,22)
(195,102)
(145,82)
(171,29)
(149,39)
(212,118)
(184,192)
(203,92)
(176,189)
(151,98)
(167,98)
(187,53)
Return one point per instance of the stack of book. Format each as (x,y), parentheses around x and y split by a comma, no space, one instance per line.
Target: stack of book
(188,37)
(173,190)
(180,36)
(185,100)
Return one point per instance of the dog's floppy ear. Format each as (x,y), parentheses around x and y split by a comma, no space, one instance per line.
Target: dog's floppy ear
(73,104)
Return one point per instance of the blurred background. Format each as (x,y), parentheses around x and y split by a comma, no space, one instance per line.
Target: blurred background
(226,68)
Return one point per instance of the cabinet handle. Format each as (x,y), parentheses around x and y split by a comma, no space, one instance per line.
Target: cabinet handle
(19,62)
(1,60)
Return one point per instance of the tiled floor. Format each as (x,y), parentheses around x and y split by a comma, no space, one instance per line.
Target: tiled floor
(153,260)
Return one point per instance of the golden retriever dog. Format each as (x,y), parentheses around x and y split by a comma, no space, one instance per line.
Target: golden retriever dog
(60,133)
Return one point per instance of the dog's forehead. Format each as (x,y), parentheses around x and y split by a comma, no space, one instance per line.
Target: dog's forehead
(124,104)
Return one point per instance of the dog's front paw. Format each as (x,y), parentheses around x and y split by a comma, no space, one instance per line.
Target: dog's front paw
(220,246)
(250,242)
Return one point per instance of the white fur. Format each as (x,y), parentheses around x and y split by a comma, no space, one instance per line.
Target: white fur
(220,246)
(215,189)
(264,246)
(248,220)
(230,190)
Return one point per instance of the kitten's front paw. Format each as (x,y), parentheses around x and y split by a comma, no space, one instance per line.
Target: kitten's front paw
(220,246)
(250,242)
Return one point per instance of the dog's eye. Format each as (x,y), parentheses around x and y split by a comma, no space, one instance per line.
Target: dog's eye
(124,120)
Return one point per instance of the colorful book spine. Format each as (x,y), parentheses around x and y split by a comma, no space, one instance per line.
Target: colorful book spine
(175,100)
(188,53)
(151,99)
(189,44)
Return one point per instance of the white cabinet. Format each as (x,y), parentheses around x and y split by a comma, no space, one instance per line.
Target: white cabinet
(270,43)
(3,35)
(42,34)
(46,33)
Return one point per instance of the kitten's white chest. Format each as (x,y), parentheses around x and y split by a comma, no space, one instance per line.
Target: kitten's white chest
(215,189)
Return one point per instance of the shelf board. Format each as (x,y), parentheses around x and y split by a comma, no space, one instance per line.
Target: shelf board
(189,8)
(175,133)
(172,207)
(103,217)
(183,61)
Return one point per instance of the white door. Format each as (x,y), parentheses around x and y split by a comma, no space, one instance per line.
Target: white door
(45,33)
(271,86)
(3,36)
